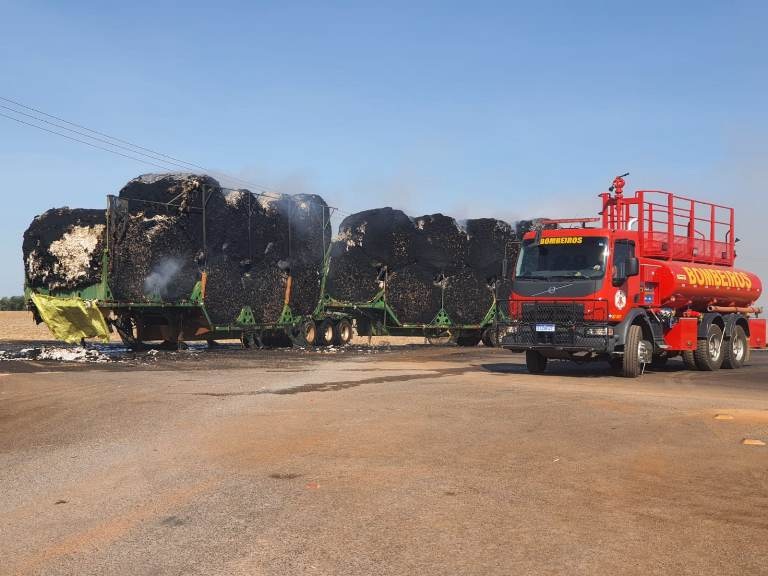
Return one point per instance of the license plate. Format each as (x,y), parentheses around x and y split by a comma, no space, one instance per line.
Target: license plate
(545,327)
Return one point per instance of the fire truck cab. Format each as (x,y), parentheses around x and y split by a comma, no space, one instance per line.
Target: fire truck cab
(650,279)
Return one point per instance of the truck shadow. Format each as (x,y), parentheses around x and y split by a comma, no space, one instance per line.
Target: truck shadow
(573,370)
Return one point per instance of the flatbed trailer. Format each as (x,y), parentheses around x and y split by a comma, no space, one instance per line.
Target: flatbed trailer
(331,322)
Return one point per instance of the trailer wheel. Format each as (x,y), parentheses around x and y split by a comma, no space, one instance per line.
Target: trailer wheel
(307,333)
(439,339)
(689,360)
(326,333)
(343,333)
(491,337)
(737,351)
(637,353)
(710,350)
(535,361)
(468,341)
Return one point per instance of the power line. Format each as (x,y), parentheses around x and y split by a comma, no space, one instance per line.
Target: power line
(134,148)
(83,141)
(14,102)
(107,142)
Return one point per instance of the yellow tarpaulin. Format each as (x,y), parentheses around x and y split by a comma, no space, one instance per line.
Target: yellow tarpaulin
(71,319)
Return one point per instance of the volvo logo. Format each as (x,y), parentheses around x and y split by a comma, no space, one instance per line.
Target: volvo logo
(552,289)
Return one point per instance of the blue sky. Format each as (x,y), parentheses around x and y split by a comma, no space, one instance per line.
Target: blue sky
(474,109)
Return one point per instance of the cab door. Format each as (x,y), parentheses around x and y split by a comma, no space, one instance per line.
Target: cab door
(624,292)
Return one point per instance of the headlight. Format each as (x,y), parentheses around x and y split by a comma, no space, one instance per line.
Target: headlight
(510,330)
(599,331)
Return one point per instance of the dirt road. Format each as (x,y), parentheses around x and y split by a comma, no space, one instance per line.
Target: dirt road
(417,461)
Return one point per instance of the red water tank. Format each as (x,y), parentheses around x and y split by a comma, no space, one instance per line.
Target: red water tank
(683,285)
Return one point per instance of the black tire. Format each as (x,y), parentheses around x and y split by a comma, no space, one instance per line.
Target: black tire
(490,337)
(440,339)
(326,333)
(689,360)
(343,332)
(710,351)
(306,334)
(632,365)
(737,350)
(468,341)
(535,361)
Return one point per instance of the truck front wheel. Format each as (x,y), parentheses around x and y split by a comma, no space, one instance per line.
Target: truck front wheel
(535,361)
(637,352)
(710,350)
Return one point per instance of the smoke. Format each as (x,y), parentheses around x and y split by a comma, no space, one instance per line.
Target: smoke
(158,281)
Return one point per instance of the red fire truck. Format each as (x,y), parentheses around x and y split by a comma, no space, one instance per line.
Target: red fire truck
(650,279)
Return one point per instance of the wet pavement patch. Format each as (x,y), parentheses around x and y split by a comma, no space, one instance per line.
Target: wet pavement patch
(172,521)
(289,476)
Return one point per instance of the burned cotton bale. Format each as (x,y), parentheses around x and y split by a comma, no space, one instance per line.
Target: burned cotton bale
(158,243)
(62,249)
(428,262)
(269,238)
(248,243)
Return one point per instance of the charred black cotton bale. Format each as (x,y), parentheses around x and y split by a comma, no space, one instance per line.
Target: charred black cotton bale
(369,245)
(267,239)
(158,243)
(429,262)
(62,249)
(443,246)
(249,247)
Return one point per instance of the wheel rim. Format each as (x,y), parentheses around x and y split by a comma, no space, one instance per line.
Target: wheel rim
(345,333)
(643,352)
(738,349)
(328,333)
(309,333)
(714,346)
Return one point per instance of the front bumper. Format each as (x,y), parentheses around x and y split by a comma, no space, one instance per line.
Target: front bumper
(565,337)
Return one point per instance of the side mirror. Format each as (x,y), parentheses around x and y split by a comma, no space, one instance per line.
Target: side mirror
(632,267)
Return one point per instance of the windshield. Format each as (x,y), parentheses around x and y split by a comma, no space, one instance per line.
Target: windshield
(558,258)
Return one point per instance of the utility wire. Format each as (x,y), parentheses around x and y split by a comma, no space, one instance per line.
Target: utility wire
(167,160)
(107,142)
(14,102)
(83,141)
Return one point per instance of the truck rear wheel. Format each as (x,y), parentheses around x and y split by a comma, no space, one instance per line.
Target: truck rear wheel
(709,351)
(535,361)
(689,360)
(343,332)
(737,350)
(637,353)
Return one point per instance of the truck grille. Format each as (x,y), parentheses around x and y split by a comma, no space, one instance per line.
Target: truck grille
(555,312)
(559,325)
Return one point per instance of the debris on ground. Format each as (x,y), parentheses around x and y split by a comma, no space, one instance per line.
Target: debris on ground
(752,442)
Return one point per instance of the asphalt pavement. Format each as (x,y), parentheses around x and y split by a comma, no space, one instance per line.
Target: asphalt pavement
(418,460)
